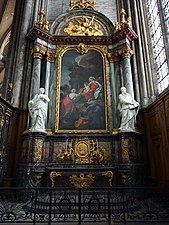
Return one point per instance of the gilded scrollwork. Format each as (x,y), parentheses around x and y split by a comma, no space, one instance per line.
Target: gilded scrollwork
(124,145)
(83,26)
(82,4)
(38,150)
(82,181)
(53,176)
(110,175)
(82,150)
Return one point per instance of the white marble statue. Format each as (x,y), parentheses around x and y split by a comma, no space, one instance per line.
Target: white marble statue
(38,111)
(128,108)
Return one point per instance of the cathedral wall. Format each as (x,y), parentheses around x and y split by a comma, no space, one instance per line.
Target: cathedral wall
(108,8)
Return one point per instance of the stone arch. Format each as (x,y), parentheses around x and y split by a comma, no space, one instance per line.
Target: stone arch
(105,25)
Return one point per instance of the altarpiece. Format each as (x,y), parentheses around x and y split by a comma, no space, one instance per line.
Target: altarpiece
(81,60)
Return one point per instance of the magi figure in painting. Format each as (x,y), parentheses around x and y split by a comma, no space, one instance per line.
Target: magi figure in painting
(82,104)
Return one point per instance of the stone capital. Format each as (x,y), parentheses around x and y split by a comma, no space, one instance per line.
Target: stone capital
(113,57)
(38,52)
(125,52)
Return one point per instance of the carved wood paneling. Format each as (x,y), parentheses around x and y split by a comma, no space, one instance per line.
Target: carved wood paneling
(157,133)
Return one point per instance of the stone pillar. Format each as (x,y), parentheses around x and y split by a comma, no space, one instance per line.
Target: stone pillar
(36,73)
(115,87)
(127,75)
(19,53)
(140,58)
(50,59)
(47,78)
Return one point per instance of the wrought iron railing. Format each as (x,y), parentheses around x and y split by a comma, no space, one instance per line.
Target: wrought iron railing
(110,206)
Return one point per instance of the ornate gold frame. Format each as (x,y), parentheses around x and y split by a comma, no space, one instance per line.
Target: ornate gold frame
(81,48)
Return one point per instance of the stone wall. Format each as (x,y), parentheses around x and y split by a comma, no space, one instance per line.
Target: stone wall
(108,8)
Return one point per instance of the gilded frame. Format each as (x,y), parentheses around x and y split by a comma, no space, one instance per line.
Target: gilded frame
(81,49)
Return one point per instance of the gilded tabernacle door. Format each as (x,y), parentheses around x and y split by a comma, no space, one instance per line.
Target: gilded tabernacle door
(81,102)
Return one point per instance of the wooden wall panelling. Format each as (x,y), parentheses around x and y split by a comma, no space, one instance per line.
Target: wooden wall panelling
(157,132)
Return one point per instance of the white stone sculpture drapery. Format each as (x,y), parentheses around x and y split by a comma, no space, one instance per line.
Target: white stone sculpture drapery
(38,111)
(128,108)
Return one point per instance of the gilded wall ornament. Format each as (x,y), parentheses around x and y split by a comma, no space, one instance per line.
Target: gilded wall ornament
(38,177)
(82,48)
(83,26)
(38,150)
(82,181)
(82,150)
(124,145)
(53,176)
(110,175)
(82,4)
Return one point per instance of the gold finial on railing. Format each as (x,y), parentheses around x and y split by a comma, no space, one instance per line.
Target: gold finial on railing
(123,21)
(41,22)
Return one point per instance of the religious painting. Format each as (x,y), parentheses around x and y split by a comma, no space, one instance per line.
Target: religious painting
(81,93)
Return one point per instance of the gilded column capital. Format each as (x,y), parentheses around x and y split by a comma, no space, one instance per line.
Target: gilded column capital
(50,57)
(113,56)
(125,53)
(38,52)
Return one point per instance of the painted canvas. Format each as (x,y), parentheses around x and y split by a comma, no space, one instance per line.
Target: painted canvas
(82,95)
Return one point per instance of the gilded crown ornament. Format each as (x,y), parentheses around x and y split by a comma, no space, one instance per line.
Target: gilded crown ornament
(82,4)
